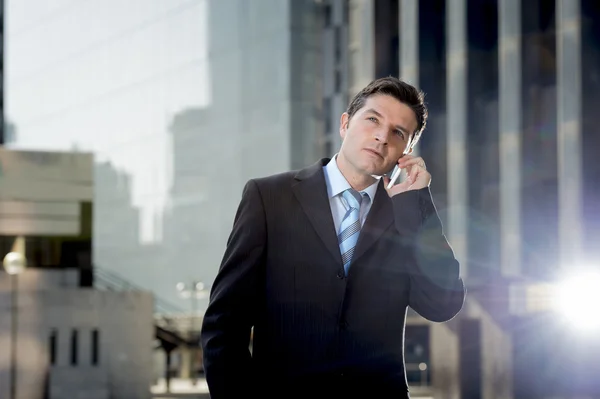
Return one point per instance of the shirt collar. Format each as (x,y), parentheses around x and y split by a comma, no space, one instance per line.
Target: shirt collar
(337,183)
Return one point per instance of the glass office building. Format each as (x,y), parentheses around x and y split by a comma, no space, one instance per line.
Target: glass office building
(181,101)
(514,83)
(512,88)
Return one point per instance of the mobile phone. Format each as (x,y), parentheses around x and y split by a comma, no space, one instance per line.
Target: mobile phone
(394,176)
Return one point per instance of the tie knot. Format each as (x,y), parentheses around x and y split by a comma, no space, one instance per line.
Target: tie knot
(353,198)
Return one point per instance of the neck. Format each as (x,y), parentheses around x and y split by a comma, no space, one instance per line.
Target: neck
(357,180)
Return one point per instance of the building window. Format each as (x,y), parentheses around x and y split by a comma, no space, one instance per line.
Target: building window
(327,115)
(327,15)
(328,149)
(95,346)
(346,11)
(74,346)
(417,355)
(337,32)
(338,81)
(352,64)
(52,346)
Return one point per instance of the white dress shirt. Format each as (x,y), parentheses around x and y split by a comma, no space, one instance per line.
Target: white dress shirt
(336,185)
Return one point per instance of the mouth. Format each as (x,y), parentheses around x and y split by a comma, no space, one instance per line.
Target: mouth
(374,152)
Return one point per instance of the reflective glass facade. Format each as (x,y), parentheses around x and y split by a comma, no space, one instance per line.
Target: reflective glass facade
(181,101)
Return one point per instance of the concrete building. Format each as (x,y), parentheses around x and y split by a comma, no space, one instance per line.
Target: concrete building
(335,24)
(60,337)
(75,342)
(3,134)
(186,100)
(510,86)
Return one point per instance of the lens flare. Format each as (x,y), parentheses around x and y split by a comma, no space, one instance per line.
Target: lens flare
(578,300)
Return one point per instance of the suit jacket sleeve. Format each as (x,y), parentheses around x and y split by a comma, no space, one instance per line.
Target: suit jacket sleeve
(436,290)
(231,311)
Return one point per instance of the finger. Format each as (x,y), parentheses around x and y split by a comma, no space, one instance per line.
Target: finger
(410,170)
(418,167)
(404,159)
(413,161)
(409,158)
(414,171)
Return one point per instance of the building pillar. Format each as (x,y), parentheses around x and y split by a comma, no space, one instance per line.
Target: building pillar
(445,361)
(456,133)
(361,44)
(510,129)
(409,44)
(568,45)
(409,41)
(186,362)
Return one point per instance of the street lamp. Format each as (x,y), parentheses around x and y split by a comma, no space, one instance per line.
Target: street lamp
(195,291)
(14,263)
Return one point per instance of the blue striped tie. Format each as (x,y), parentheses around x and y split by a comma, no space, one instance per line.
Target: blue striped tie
(350,227)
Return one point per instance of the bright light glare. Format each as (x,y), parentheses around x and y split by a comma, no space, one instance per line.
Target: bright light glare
(578,300)
(14,263)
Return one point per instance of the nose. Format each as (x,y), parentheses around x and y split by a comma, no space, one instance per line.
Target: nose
(382,136)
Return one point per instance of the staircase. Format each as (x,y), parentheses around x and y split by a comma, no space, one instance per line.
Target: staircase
(166,315)
(111,281)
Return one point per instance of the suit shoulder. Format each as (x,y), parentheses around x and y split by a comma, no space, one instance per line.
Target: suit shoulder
(275,180)
(284,180)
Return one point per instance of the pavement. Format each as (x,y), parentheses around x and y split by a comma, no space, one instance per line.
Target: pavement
(180,388)
(184,388)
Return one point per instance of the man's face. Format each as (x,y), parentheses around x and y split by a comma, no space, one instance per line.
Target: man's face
(377,135)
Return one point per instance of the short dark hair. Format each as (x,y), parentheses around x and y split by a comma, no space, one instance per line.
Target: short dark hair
(401,91)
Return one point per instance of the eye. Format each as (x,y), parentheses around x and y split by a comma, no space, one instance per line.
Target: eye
(399,133)
(372,119)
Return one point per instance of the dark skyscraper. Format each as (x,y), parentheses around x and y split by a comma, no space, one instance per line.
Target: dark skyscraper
(512,90)
(2,135)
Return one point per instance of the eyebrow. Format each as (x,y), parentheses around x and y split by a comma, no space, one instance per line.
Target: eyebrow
(373,111)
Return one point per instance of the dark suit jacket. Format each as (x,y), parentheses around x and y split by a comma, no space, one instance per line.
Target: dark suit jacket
(316,331)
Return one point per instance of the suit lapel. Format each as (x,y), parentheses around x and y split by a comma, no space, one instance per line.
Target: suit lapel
(379,219)
(311,191)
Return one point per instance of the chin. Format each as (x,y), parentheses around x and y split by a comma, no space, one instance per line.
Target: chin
(378,172)
(374,166)
(374,171)
(370,166)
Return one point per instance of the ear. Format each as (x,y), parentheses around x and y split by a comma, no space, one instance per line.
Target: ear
(344,120)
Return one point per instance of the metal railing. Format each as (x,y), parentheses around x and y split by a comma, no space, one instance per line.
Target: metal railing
(111,281)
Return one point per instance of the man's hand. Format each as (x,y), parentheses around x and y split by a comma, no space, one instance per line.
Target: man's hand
(417,178)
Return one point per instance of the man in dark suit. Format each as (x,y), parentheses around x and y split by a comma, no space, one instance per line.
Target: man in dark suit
(323,263)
